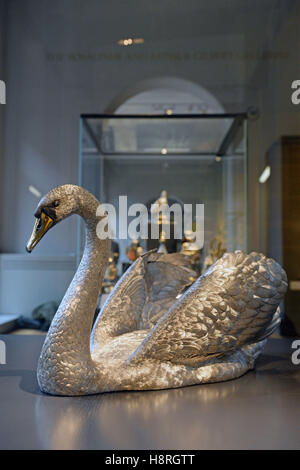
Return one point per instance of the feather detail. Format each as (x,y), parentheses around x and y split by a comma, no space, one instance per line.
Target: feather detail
(142,295)
(231,305)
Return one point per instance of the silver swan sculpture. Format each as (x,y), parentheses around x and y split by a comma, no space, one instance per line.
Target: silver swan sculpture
(146,336)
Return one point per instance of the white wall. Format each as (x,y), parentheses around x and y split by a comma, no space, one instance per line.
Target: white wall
(26,282)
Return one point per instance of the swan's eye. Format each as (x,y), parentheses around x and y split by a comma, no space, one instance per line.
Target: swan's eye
(55,204)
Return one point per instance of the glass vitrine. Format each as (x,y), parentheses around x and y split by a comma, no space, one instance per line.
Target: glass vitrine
(196,159)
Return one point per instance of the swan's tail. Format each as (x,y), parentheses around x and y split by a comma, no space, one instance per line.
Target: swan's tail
(253,350)
(271,327)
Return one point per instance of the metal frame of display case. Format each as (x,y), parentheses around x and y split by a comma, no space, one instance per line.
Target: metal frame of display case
(239,120)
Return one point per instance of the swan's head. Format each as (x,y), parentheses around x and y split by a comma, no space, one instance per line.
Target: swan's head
(55,206)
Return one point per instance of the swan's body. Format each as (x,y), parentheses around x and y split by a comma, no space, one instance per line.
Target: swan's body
(144,337)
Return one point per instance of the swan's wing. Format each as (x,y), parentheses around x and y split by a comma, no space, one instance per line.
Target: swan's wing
(166,276)
(231,305)
(142,295)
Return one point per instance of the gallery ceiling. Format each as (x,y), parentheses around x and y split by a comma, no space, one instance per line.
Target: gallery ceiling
(104,23)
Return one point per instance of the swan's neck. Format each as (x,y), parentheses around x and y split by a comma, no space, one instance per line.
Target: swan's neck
(65,363)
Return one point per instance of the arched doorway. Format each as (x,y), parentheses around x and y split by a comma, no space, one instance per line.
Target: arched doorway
(165,95)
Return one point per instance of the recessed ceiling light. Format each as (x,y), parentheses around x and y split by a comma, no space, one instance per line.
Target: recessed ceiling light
(138,41)
(265,175)
(34,191)
(130,41)
(164,151)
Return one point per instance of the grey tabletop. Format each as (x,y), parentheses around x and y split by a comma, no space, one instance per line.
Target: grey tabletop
(259,410)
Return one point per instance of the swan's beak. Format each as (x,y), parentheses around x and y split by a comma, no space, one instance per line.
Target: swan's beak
(41,226)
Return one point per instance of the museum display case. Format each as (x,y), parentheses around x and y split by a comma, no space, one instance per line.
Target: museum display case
(196,159)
